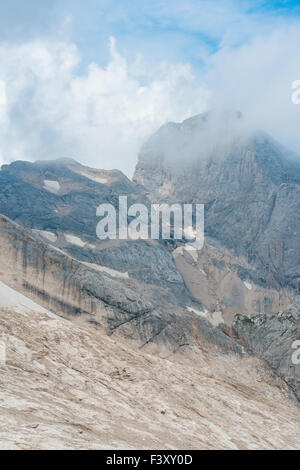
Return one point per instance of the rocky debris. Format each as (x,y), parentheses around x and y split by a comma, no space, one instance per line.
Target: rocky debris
(66,385)
(271,338)
(248,183)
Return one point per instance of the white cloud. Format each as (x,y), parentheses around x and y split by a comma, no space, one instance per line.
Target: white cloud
(256,78)
(99,117)
(53,105)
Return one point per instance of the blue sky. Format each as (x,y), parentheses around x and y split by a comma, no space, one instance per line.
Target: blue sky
(161,28)
(113,71)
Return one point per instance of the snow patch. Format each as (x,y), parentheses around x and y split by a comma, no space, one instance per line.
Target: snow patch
(61,251)
(12,298)
(97,179)
(215,318)
(248,285)
(74,240)
(51,237)
(51,186)
(111,272)
(203,314)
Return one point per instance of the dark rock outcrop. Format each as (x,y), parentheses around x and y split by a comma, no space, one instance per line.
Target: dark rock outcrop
(271,338)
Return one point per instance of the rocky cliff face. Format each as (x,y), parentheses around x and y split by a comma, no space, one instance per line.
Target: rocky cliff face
(250,263)
(248,183)
(57,201)
(272,338)
(118,306)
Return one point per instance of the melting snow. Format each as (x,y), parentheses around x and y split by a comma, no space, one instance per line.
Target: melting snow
(75,240)
(51,186)
(204,314)
(215,318)
(248,285)
(51,237)
(95,178)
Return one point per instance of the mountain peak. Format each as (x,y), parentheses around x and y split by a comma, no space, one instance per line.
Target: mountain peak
(248,182)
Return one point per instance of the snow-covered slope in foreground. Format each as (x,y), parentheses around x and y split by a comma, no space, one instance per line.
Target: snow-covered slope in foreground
(66,385)
(11,298)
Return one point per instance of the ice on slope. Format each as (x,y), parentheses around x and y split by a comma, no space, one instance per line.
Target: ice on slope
(51,186)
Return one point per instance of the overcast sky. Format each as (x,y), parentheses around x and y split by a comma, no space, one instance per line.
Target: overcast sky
(92,79)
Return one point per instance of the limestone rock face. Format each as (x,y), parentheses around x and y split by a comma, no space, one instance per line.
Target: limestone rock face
(151,315)
(250,262)
(58,200)
(247,181)
(273,339)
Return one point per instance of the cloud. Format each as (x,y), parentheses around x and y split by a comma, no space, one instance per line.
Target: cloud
(63,92)
(100,117)
(256,78)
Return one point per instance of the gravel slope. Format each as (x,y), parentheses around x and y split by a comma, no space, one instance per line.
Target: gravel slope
(67,385)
